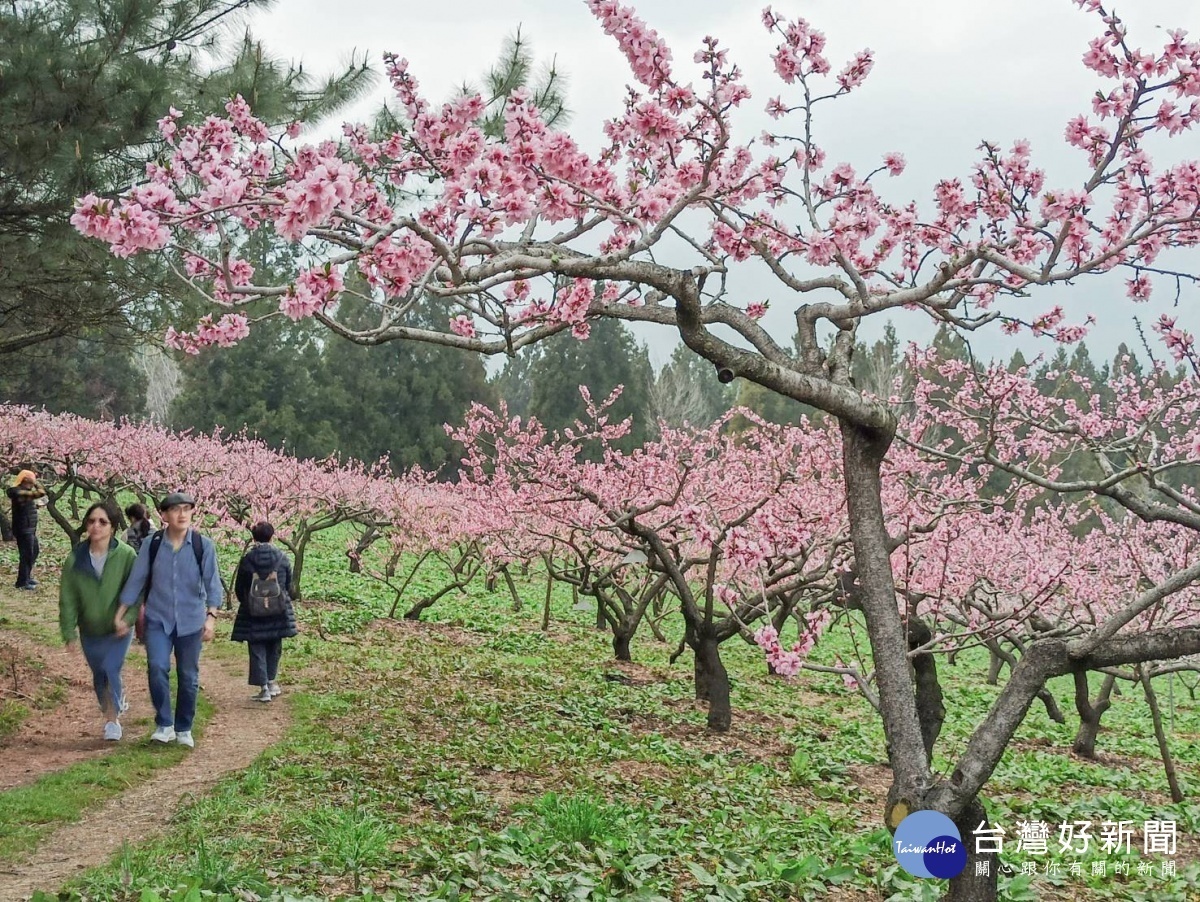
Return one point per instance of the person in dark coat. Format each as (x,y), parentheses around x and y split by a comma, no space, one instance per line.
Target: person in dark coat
(140,526)
(26,495)
(263,635)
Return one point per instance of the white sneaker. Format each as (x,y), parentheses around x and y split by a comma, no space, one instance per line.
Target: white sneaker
(124,706)
(275,688)
(163,734)
(112,731)
(184,737)
(264,696)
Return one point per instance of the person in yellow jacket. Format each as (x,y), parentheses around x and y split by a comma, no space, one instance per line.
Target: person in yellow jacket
(92,578)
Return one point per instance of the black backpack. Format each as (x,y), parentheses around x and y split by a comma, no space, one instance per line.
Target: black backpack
(266,597)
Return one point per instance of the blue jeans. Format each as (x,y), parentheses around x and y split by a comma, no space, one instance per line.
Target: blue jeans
(106,656)
(159,645)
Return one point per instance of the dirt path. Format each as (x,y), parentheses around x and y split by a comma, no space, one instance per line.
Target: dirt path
(238,731)
(64,723)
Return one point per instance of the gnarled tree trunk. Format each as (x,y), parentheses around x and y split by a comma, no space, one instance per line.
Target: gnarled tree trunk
(712,677)
(1090,713)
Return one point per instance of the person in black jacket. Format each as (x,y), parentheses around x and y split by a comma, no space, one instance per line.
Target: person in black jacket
(263,635)
(26,494)
(140,526)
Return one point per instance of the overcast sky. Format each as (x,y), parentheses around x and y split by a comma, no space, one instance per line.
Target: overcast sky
(948,74)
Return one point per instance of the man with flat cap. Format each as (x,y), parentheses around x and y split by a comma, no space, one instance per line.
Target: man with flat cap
(177,577)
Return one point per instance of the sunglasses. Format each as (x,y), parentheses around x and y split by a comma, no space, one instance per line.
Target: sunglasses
(93,520)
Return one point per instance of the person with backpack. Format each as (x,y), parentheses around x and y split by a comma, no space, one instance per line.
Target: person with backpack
(92,577)
(176,580)
(265,616)
(139,525)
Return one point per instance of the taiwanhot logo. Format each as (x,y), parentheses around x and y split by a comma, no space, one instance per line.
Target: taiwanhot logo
(927,844)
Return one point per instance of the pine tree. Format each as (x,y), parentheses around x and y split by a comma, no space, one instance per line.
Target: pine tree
(513,384)
(269,385)
(82,85)
(80,374)
(514,70)
(880,368)
(341,397)
(611,356)
(687,391)
(773,407)
(395,399)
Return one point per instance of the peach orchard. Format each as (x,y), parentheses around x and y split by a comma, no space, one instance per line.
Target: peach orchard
(527,236)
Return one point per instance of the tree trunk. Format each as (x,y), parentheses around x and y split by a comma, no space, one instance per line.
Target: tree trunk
(620,643)
(930,710)
(1000,657)
(6,533)
(414,613)
(299,547)
(1090,713)
(1164,749)
(512,589)
(370,534)
(464,575)
(656,629)
(716,682)
(546,603)
(972,885)
(64,523)
(862,455)
(1052,709)
(701,676)
(995,662)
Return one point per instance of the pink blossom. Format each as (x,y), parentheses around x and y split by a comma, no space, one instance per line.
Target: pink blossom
(1139,287)
(463,325)
(647,53)
(856,70)
(167,126)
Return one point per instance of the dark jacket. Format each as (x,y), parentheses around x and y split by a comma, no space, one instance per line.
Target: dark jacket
(135,535)
(24,507)
(262,559)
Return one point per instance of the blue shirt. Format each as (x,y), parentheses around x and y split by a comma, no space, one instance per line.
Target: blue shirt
(181,594)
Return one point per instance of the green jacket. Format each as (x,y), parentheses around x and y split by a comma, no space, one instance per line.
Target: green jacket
(86,603)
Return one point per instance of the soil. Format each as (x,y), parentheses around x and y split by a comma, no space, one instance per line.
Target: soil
(58,735)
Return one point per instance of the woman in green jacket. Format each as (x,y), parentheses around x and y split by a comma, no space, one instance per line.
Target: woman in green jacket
(92,578)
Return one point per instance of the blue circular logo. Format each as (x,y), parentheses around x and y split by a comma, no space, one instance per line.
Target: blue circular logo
(927,844)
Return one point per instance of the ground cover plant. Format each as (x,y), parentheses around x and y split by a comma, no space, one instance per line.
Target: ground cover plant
(477,756)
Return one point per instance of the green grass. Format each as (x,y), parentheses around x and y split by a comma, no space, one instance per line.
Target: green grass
(12,714)
(474,757)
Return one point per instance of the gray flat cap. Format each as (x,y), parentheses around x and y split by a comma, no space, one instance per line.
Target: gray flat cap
(176,498)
